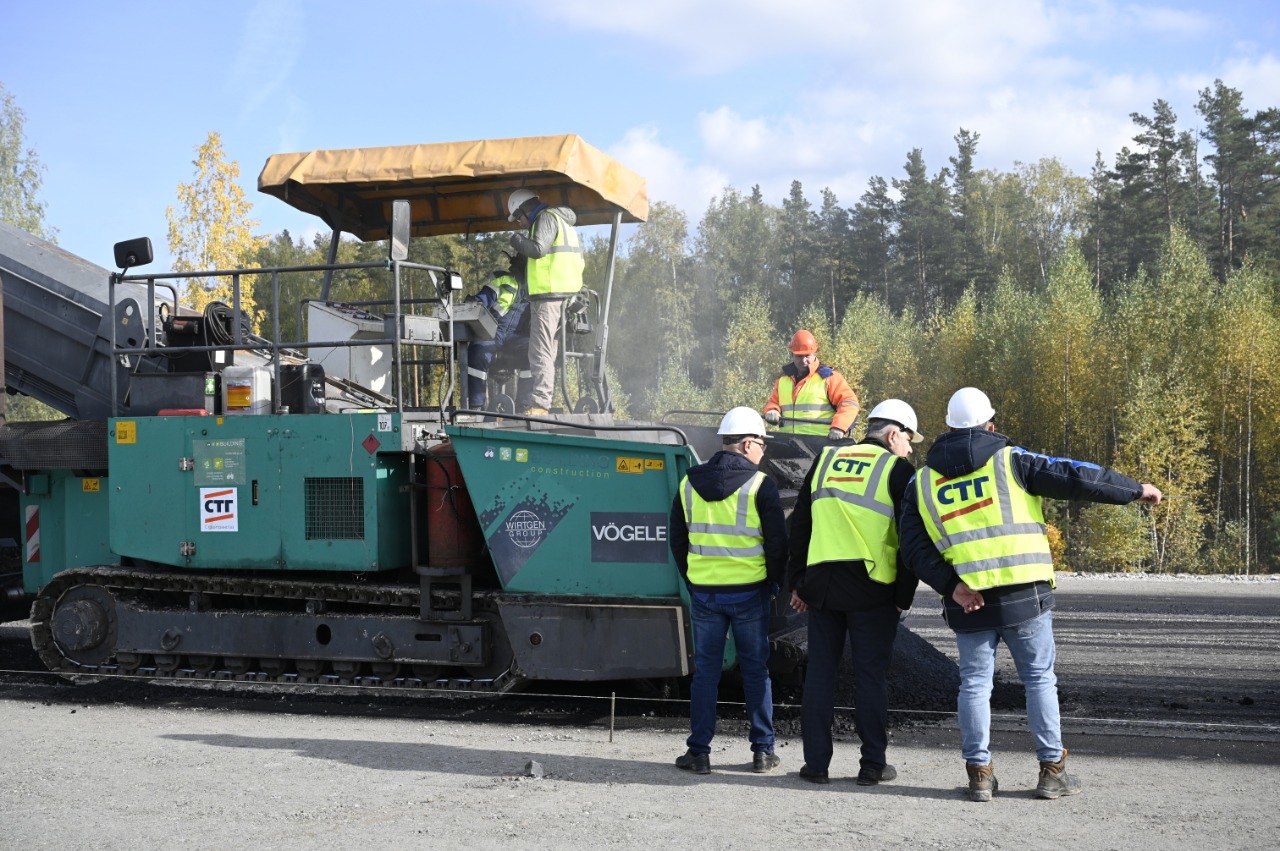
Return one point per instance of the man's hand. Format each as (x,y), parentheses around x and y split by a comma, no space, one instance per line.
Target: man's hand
(968,600)
(1150,494)
(796,603)
(772,417)
(835,434)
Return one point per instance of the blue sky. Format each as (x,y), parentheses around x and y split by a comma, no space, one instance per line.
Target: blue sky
(693,95)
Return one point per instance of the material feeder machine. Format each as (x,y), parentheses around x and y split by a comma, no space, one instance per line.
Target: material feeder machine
(227,507)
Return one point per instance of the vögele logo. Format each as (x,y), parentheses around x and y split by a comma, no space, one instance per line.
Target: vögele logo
(525,529)
(637,537)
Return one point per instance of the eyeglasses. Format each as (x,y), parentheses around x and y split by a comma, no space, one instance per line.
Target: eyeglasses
(746,444)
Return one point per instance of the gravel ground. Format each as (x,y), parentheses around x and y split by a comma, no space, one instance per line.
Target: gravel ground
(1155,675)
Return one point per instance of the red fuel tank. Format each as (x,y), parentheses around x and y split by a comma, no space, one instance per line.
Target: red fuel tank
(454,537)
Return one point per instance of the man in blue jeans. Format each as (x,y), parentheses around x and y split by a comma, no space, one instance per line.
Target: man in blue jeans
(729,538)
(972,528)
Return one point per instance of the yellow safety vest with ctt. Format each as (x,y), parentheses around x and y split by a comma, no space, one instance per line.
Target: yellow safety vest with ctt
(852,511)
(987,527)
(726,544)
(559,271)
(811,405)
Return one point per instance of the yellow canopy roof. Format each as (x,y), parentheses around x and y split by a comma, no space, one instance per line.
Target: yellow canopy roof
(454,187)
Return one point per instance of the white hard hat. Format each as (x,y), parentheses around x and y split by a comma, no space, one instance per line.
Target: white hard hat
(899,412)
(516,200)
(969,407)
(742,420)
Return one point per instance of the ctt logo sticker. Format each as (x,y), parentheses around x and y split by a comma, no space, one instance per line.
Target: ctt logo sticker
(630,536)
(218,510)
(948,493)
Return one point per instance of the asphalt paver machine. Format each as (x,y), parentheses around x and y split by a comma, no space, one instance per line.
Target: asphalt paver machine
(230,507)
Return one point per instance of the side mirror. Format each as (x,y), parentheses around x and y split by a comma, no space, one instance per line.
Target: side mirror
(400,220)
(134,252)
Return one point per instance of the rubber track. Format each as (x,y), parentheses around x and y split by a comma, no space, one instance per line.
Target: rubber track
(132,579)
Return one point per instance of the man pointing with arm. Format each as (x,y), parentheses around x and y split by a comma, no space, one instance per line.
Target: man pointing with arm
(972,528)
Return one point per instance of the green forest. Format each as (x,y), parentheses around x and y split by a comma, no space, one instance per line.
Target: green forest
(1128,317)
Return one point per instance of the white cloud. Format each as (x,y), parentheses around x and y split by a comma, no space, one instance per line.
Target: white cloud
(1034,78)
(915,40)
(1258,79)
(1071,125)
(1180,23)
(669,176)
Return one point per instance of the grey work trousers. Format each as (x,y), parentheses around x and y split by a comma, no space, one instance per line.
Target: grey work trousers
(544,326)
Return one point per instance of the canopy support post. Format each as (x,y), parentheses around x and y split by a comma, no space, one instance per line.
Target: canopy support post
(333,258)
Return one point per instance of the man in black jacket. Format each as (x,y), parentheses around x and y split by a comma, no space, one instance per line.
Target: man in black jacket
(844,572)
(729,538)
(973,529)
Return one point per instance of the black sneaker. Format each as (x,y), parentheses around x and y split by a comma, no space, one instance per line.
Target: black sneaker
(813,775)
(762,763)
(698,763)
(868,776)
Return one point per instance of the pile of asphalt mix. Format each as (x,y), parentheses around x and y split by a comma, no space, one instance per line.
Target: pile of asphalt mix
(921,678)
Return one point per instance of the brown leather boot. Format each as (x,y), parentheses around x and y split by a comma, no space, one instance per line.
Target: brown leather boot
(982,781)
(1054,780)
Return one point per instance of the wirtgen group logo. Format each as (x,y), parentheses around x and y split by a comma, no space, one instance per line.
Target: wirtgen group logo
(525,529)
(519,535)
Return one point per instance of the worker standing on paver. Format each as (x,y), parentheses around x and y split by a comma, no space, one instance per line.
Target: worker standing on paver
(844,572)
(728,535)
(972,528)
(554,273)
(809,397)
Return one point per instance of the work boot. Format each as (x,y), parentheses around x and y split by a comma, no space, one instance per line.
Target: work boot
(762,763)
(698,763)
(868,776)
(1054,780)
(814,775)
(535,411)
(982,781)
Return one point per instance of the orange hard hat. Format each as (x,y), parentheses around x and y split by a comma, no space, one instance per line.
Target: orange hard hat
(803,343)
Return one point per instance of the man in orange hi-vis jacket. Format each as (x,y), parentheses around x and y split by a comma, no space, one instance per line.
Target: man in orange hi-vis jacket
(809,397)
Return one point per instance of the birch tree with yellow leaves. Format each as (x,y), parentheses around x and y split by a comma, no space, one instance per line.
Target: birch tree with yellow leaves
(212,229)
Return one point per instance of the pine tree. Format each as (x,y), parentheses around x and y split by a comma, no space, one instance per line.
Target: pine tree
(872,239)
(925,235)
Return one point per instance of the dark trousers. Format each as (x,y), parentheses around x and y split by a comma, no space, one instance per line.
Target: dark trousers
(871,635)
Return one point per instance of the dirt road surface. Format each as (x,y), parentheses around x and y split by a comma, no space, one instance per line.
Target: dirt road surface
(1171,699)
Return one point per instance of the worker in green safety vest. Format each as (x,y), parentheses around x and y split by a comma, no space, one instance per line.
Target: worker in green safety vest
(728,536)
(553,274)
(844,573)
(972,528)
(503,297)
